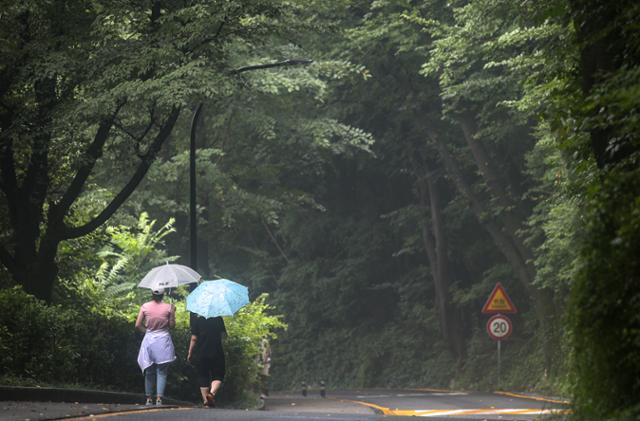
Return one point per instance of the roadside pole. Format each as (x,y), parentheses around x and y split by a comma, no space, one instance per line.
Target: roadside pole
(193,216)
(499,365)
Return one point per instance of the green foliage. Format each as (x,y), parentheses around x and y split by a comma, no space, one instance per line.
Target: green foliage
(121,256)
(130,254)
(605,299)
(56,345)
(556,224)
(246,329)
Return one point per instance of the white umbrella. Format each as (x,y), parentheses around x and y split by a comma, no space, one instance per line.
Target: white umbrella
(169,276)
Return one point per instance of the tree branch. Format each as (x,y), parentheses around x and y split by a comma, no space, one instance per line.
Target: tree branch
(7,76)
(211,38)
(8,261)
(8,180)
(155,12)
(292,62)
(93,153)
(120,126)
(219,31)
(145,132)
(501,240)
(274,240)
(129,188)
(512,214)
(36,181)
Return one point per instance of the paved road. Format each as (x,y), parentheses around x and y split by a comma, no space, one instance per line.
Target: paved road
(365,405)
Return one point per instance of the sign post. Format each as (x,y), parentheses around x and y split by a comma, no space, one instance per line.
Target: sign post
(499,326)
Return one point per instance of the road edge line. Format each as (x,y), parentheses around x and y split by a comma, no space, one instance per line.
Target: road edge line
(376,408)
(117,413)
(534,398)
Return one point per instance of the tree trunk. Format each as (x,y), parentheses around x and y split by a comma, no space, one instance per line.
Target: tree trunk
(33,261)
(512,219)
(43,272)
(512,214)
(26,201)
(542,300)
(604,48)
(502,241)
(435,243)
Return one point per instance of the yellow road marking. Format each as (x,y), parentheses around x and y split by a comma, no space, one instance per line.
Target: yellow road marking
(128,412)
(510,394)
(535,398)
(448,412)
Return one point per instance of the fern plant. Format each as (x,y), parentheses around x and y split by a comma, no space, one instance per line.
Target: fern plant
(130,254)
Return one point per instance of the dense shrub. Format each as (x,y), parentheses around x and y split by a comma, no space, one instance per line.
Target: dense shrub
(605,305)
(57,345)
(53,344)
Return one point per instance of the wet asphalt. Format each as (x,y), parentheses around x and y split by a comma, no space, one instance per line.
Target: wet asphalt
(364,405)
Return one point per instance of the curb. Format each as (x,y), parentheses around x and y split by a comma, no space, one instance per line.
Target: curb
(377,409)
(53,394)
(115,413)
(533,397)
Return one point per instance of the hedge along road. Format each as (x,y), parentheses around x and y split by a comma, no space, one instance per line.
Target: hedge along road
(370,405)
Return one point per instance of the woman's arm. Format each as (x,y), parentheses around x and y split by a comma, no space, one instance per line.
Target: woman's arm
(172,316)
(192,345)
(140,322)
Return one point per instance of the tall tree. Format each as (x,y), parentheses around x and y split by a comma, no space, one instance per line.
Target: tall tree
(77,81)
(605,296)
(467,55)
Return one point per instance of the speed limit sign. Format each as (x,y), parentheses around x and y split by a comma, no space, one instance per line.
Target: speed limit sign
(499,327)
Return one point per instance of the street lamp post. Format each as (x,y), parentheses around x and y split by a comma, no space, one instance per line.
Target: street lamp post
(193,221)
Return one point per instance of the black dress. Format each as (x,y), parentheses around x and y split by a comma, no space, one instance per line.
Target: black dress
(208,355)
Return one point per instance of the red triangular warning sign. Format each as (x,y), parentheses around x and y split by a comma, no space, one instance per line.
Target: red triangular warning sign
(499,302)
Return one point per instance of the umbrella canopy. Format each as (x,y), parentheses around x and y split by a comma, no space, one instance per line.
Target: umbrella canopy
(221,297)
(169,276)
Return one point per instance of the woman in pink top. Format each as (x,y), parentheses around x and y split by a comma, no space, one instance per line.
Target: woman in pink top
(156,351)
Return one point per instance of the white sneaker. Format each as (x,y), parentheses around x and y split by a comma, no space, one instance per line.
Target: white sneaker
(149,402)
(159,402)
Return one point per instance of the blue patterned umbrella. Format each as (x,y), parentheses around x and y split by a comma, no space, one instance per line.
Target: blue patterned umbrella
(221,297)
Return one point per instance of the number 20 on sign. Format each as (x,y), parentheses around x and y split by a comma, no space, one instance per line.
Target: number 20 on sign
(499,327)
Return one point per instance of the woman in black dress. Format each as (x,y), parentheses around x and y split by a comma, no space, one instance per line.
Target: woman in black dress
(207,355)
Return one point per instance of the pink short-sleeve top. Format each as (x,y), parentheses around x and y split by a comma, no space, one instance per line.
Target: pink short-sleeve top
(156,315)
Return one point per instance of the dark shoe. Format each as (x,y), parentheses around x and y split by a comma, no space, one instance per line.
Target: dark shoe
(211,400)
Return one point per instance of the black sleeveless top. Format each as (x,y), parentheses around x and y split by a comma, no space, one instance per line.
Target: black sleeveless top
(209,334)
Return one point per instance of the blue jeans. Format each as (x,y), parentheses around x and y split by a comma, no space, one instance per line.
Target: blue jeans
(159,372)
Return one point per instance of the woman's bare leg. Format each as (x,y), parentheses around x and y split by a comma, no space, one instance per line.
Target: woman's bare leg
(203,392)
(215,386)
